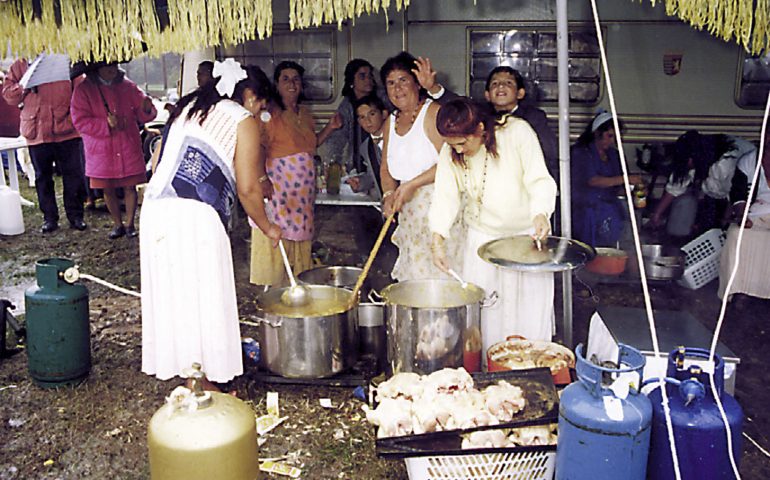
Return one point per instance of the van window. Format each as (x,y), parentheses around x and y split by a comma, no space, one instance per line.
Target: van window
(533,53)
(754,81)
(310,48)
(158,76)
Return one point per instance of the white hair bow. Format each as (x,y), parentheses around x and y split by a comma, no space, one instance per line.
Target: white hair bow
(229,72)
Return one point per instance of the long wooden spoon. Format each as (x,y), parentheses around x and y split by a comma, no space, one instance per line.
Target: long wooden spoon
(368,264)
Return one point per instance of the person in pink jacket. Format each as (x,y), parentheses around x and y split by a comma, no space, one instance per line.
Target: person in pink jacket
(51,137)
(107,109)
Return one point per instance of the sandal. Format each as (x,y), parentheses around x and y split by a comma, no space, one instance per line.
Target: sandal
(131,232)
(117,232)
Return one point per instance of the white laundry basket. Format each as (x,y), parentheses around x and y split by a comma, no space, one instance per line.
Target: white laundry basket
(701,264)
(533,465)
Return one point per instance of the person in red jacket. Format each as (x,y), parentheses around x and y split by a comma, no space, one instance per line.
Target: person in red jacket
(51,137)
(107,109)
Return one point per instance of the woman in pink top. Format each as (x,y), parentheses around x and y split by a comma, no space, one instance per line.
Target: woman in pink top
(107,109)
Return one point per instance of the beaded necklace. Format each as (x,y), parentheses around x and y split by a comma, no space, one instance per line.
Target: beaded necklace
(414,114)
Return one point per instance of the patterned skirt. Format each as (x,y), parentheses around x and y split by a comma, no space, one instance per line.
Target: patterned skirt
(291,208)
(413,236)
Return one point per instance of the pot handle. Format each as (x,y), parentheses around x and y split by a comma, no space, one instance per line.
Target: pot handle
(375,297)
(259,321)
(490,301)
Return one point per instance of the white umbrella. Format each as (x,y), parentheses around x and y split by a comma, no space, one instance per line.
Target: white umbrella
(46,69)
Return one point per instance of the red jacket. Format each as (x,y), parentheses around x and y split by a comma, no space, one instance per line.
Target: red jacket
(45,116)
(111,153)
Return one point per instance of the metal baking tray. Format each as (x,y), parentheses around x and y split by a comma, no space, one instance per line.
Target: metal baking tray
(520,252)
(542,408)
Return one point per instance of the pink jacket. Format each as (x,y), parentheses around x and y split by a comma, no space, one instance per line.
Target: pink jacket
(110,153)
(45,117)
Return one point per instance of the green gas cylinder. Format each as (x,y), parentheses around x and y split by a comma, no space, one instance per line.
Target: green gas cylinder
(58,331)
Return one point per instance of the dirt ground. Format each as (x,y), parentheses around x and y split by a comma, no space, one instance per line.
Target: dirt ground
(98,429)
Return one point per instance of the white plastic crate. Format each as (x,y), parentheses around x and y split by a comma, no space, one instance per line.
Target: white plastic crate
(485,466)
(701,264)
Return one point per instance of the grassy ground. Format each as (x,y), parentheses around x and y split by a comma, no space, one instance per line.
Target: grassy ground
(98,429)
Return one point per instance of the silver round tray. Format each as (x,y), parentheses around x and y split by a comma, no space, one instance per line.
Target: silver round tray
(520,253)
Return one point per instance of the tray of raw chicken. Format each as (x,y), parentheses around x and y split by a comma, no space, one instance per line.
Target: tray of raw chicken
(451,412)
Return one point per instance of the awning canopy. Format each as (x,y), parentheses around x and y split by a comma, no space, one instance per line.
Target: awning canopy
(118,29)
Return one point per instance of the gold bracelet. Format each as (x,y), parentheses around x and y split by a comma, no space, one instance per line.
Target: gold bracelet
(263,178)
(385,194)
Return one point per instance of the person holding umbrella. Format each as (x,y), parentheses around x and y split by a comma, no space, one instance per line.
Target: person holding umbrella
(47,126)
(107,109)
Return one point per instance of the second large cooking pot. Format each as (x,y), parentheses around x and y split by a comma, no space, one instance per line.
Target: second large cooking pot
(433,324)
(661,262)
(312,341)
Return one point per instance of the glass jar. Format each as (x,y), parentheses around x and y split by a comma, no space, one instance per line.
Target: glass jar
(333,178)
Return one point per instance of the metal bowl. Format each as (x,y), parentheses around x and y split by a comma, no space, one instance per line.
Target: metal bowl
(345,277)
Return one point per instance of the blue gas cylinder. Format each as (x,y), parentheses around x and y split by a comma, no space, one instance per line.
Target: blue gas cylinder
(700,435)
(601,434)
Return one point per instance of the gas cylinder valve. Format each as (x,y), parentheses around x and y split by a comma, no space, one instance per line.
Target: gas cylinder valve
(71,275)
(691,389)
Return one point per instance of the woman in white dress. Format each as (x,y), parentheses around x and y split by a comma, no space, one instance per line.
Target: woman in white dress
(409,155)
(189,309)
(496,176)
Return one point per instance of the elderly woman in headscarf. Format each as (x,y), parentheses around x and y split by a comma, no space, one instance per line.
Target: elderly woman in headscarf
(597,214)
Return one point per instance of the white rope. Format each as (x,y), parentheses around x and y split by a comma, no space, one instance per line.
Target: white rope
(637,241)
(759,447)
(733,274)
(109,285)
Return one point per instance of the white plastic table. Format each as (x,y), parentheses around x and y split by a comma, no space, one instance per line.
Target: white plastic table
(10,145)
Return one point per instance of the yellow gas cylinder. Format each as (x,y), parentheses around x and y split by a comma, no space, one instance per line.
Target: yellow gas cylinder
(200,435)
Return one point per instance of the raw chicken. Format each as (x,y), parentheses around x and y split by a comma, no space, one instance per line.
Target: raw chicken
(407,385)
(448,380)
(504,400)
(486,439)
(531,436)
(393,416)
(436,339)
(468,410)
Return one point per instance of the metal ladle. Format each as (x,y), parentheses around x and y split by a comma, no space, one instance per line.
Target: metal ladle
(457,277)
(296,295)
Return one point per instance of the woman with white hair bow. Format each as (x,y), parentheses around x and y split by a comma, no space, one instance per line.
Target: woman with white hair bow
(209,155)
(597,213)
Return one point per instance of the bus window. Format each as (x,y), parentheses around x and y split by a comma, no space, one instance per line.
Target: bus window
(533,53)
(313,49)
(754,81)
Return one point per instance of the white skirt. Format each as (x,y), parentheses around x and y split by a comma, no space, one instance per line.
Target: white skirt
(189,308)
(752,276)
(524,300)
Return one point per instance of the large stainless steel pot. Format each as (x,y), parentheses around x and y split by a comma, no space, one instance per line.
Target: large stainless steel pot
(333,276)
(433,324)
(372,335)
(313,341)
(661,262)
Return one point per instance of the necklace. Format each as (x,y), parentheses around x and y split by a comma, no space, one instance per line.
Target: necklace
(415,112)
(479,197)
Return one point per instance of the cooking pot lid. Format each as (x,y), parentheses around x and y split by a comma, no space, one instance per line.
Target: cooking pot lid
(520,253)
(324,301)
